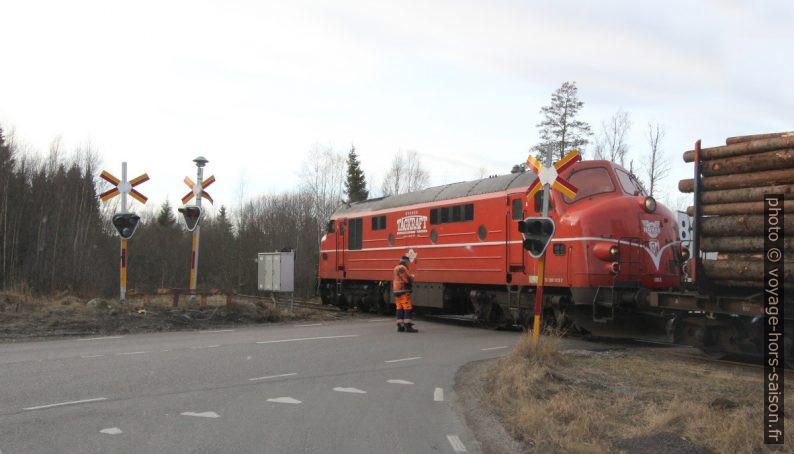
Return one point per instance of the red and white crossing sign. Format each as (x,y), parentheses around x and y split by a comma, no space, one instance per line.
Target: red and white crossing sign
(121,187)
(198,189)
(551,175)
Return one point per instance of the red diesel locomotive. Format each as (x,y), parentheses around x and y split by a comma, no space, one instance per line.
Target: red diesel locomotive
(612,246)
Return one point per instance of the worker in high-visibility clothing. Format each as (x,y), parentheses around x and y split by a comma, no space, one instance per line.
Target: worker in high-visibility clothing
(402,288)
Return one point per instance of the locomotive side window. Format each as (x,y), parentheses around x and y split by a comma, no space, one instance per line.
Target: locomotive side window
(590,182)
(518,209)
(354,237)
(379,223)
(629,182)
(456,213)
(434,216)
(331,226)
(539,202)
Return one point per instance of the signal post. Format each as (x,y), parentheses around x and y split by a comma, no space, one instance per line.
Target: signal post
(538,231)
(192,214)
(124,222)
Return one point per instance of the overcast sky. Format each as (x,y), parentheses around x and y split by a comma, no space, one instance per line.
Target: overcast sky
(253,85)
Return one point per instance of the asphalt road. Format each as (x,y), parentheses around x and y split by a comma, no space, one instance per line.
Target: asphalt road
(338,387)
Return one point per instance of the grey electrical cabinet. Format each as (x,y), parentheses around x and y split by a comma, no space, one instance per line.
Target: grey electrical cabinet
(276,271)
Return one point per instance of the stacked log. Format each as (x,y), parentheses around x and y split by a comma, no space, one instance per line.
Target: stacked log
(734,179)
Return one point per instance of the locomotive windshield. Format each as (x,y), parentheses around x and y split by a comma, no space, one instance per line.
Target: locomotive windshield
(590,182)
(629,183)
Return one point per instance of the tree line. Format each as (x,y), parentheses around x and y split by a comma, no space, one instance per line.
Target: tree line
(55,235)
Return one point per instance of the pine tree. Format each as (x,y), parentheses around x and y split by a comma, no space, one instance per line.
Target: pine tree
(356,184)
(166,218)
(560,131)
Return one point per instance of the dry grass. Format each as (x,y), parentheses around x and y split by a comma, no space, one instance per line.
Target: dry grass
(563,403)
(23,315)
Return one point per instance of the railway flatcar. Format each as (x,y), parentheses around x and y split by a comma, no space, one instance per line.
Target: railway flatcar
(613,245)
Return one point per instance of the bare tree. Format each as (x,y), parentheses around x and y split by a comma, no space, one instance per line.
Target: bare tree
(611,143)
(657,166)
(406,174)
(322,176)
(481,173)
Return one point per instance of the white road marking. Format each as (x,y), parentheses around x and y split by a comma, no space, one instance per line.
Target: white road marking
(206,414)
(100,338)
(111,431)
(403,359)
(218,331)
(349,390)
(311,324)
(493,348)
(165,350)
(306,339)
(457,445)
(92,356)
(131,353)
(401,382)
(60,404)
(380,320)
(272,376)
(208,346)
(284,400)
(438,395)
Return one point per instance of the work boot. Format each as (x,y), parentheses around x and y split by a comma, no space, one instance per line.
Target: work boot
(409,328)
(400,327)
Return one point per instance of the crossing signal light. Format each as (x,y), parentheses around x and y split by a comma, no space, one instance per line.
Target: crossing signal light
(125,224)
(192,215)
(537,233)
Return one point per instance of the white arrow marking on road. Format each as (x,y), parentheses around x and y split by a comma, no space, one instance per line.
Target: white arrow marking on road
(111,431)
(350,390)
(457,445)
(401,382)
(206,414)
(403,359)
(438,395)
(306,339)
(39,407)
(272,376)
(493,348)
(284,400)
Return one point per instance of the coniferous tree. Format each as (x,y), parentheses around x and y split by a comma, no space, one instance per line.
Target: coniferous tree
(356,184)
(560,131)
(166,218)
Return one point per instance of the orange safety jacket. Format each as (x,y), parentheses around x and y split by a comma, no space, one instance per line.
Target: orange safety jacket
(403,281)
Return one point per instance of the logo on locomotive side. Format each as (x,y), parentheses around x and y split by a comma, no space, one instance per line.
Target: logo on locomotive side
(412,225)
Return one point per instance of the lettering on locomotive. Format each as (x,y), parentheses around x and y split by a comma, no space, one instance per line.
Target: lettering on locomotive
(412,225)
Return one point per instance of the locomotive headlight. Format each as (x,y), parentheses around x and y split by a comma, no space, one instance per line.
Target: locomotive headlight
(614,267)
(684,254)
(614,252)
(649,204)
